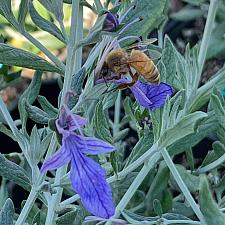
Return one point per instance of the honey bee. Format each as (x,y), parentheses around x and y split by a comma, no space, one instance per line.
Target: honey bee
(120,61)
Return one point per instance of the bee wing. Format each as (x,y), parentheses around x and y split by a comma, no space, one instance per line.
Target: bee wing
(152,54)
(142,44)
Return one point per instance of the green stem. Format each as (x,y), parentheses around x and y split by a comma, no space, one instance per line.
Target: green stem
(8,117)
(52,57)
(36,187)
(55,199)
(27,207)
(75,20)
(23,142)
(57,196)
(160,34)
(134,186)
(204,92)
(182,185)
(79,35)
(116,125)
(207,34)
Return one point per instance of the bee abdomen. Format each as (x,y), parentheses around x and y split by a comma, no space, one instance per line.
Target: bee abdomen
(152,75)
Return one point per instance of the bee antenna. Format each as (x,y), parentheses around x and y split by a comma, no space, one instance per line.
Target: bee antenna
(141,38)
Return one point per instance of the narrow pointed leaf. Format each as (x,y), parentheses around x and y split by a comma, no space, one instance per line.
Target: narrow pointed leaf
(170,58)
(7,212)
(44,24)
(67,218)
(101,124)
(7,132)
(23,10)
(208,206)
(144,143)
(204,92)
(5,10)
(17,57)
(183,128)
(14,172)
(36,114)
(152,12)
(29,96)
(47,106)
(35,145)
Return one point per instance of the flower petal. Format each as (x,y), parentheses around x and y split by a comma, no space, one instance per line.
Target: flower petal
(92,145)
(150,95)
(89,181)
(68,121)
(60,158)
(141,96)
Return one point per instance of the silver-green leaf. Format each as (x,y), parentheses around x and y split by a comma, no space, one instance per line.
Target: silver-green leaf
(47,106)
(181,129)
(29,96)
(44,24)
(208,206)
(7,212)
(23,10)
(17,57)
(100,124)
(5,10)
(36,114)
(152,12)
(14,172)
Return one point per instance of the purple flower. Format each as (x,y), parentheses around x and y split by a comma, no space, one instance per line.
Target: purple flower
(88,178)
(151,96)
(110,23)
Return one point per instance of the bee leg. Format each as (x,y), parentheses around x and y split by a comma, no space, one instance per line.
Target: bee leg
(131,74)
(127,85)
(105,82)
(123,86)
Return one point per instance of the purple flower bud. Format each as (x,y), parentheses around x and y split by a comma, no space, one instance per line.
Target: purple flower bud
(110,23)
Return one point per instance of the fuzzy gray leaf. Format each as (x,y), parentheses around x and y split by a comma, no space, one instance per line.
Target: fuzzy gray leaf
(7,212)
(44,24)
(17,57)
(14,172)
(36,114)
